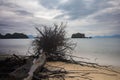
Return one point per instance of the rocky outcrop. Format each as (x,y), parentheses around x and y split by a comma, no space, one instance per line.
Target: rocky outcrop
(78,35)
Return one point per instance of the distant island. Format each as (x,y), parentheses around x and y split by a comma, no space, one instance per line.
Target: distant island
(14,36)
(79,35)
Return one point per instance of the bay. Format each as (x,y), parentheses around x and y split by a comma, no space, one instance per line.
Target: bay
(105,51)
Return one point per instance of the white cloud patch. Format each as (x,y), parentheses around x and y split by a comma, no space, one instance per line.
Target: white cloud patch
(63,1)
(46,15)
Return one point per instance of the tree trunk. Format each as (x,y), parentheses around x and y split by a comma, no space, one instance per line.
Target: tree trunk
(32,66)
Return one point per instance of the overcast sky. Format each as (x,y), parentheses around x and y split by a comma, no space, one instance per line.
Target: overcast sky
(92,17)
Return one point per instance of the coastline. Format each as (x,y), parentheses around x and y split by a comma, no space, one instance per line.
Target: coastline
(83,72)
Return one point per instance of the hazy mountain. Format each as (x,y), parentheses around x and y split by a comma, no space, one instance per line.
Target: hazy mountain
(112,36)
(30,36)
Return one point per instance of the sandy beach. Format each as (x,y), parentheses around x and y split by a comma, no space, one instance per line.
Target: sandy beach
(83,72)
(78,72)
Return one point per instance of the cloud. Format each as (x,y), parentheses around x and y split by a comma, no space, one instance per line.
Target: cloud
(93,17)
(19,17)
(81,8)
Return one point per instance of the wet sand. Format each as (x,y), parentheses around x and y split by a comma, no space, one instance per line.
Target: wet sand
(78,72)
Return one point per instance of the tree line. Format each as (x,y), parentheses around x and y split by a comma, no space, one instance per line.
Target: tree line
(13,36)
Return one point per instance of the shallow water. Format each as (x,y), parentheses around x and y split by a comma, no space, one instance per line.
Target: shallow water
(99,50)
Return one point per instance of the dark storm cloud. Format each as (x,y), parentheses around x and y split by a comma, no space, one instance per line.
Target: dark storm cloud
(3,24)
(13,17)
(81,8)
(12,26)
(6,3)
(76,8)
(23,12)
(73,8)
(49,3)
(109,17)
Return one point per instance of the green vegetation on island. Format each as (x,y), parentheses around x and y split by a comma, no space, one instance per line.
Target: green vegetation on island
(13,36)
(79,35)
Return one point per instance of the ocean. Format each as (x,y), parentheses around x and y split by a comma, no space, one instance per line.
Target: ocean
(104,51)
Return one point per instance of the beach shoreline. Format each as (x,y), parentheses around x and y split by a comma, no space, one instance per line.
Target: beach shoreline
(83,72)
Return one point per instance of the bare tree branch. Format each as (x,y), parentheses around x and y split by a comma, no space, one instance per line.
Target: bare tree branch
(53,41)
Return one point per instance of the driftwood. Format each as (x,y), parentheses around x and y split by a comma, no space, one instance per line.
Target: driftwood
(59,73)
(36,67)
(22,71)
(9,64)
(32,66)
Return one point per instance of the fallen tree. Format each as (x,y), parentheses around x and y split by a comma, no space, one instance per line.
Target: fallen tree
(50,45)
(10,64)
(52,40)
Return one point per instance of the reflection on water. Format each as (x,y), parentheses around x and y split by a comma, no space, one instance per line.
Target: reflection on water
(15,46)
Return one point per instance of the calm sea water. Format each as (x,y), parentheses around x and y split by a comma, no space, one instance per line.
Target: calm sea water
(104,51)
